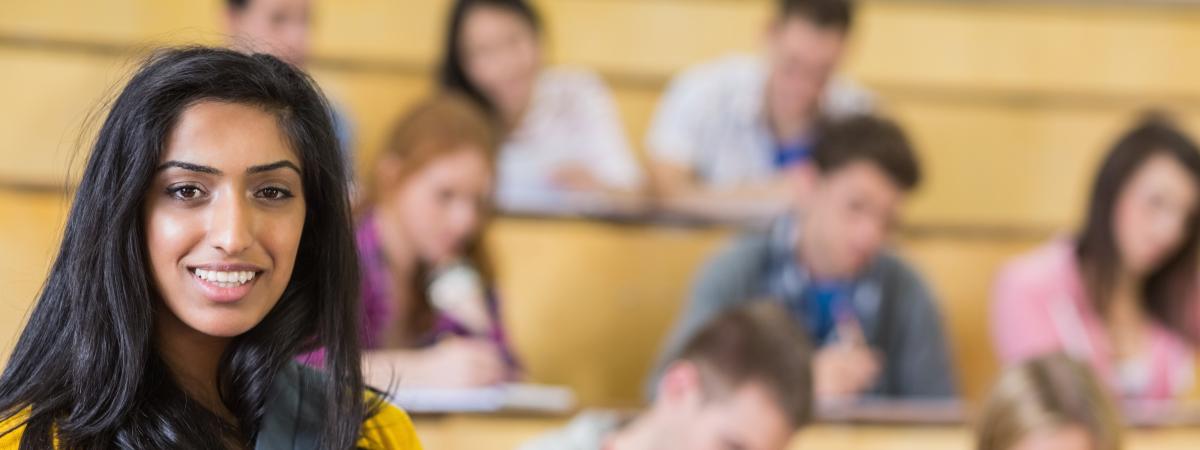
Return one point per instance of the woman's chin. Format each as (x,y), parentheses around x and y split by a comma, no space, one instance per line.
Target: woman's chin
(223,325)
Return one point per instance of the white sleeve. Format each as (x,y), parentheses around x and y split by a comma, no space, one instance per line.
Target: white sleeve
(844,97)
(673,135)
(609,155)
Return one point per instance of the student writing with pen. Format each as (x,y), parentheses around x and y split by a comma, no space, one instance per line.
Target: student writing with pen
(870,315)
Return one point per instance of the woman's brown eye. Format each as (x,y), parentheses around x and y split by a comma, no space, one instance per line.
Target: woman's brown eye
(185,192)
(273,193)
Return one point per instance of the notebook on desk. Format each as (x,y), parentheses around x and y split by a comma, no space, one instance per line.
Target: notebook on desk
(523,398)
(876,411)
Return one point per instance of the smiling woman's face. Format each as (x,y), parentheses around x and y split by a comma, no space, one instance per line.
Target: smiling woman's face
(223,217)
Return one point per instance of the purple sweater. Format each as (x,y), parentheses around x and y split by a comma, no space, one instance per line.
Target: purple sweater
(378,311)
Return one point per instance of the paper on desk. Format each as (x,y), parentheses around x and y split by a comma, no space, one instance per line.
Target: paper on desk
(502,398)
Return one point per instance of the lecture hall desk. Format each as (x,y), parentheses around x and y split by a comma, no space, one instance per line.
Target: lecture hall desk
(500,432)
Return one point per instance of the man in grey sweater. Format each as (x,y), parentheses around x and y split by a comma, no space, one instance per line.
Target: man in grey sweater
(871,316)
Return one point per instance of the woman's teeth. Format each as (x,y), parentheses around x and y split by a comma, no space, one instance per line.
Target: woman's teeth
(225,279)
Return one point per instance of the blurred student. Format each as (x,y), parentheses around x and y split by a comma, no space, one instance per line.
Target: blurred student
(741,128)
(209,242)
(1049,403)
(562,131)
(282,28)
(872,318)
(743,381)
(1122,293)
(430,316)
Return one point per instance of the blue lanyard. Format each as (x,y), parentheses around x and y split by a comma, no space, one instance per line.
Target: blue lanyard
(789,154)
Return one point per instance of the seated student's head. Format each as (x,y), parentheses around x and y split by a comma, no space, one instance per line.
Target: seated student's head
(1142,222)
(805,43)
(432,181)
(492,53)
(1049,403)
(743,381)
(865,168)
(276,27)
(208,243)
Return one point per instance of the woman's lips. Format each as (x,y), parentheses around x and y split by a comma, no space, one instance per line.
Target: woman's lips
(225,285)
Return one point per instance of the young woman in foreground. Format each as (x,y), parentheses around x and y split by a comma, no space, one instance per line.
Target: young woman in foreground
(209,243)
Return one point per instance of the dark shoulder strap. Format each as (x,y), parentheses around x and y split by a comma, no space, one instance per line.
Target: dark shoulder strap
(293,413)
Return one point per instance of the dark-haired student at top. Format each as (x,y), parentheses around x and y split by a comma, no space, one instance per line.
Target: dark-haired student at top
(739,131)
(872,318)
(560,126)
(283,29)
(742,382)
(1122,293)
(208,243)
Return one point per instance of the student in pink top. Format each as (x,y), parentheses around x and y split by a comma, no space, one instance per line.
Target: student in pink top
(1122,294)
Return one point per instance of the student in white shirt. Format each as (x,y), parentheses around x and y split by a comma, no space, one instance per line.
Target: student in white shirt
(563,133)
(738,129)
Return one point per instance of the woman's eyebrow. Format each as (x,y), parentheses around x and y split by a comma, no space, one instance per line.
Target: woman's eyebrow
(189,167)
(281,164)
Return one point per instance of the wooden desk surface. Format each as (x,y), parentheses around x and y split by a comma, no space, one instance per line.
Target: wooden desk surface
(484,432)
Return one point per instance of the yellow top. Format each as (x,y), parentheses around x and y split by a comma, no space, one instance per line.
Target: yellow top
(389,429)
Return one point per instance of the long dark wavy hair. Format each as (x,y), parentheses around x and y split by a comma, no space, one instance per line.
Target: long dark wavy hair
(1171,287)
(452,75)
(86,369)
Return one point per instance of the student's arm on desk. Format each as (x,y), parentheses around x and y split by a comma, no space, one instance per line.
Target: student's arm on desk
(579,178)
(451,363)
(678,191)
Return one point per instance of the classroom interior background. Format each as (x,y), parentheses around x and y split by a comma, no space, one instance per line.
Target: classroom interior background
(1010,103)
